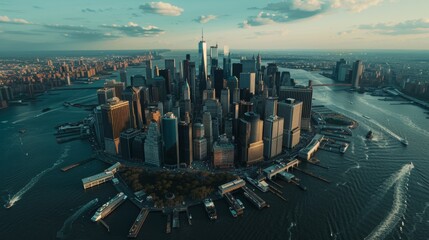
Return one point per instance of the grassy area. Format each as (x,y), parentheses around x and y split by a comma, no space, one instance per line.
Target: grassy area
(184,185)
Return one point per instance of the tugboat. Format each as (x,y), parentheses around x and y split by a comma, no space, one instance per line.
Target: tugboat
(233,212)
(369,135)
(210,208)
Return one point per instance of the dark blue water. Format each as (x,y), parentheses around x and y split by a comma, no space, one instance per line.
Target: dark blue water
(374,194)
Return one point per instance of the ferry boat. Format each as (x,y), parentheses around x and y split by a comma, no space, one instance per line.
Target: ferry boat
(109,207)
(210,208)
(366,117)
(369,135)
(404,141)
(233,212)
(8,204)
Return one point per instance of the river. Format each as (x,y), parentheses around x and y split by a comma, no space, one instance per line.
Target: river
(375,192)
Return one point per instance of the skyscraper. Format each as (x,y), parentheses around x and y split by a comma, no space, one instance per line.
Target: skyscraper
(208,130)
(218,81)
(304,95)
(249,65)
(247,80)
(153,146)
(223,153)
(273,136)
(123,76)
(104,94)
(138,80)
(170,138)
(166,74)
(199,142)
(132,95)
(225,101)
(118,86)
(237,68)
(202,53)
(251,146)
(291,111)
(126,143)
(149,69)
(170,64)
(226,62)
(115,116)
(185,143)
(270,107)
(357,73)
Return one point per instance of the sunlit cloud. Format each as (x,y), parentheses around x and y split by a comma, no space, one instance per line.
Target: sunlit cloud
(205,18)
(134,30)
(7,20)
(161,8)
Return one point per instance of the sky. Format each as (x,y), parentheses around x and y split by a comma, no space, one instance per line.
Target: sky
(241,24)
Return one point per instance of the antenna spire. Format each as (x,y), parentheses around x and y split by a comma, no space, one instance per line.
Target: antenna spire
(202,34)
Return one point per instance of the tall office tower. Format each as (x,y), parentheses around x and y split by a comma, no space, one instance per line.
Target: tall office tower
(149,69)
(118,86)
(304,95)
(223,153)
(218,81)
(357,73)
(209,94)
(291,111)
(170,136)
(68,80)
(216,126)
(249,65)
(225,101)
(232,83)
(343,73)
(126,142)
(132,95)
(138,147)
(123,76)
(104,94)
(270,107)
(237,68)
(248,80)
(259,86)
(186,69)
(153,153)
(138,80)
(251,146)
(185,143)
(214,60)
(180,73)
(272,69)
(155,72)
(193,83)
(98,126)
(200,142)
(215,108)
(337,68)
(273,136)
(258,63)
(157,90)
(236,95)
(226,62)
(185,101)
(198,130)
(285,79)
(144,98)
(244,108)
(116,118)
(259,104)
(165,73)
(229,126)
(202,53)
(208,130)
(170,64)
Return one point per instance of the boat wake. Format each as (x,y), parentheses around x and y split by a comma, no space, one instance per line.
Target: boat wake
(17,196)
(66,228)
(400,180)
(292,225)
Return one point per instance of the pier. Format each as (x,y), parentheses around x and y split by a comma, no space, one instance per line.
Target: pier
(138,223)
(254,198)
(233,203)
(176,221)
(65,169)
(105,225)
(313,175)
(168,227)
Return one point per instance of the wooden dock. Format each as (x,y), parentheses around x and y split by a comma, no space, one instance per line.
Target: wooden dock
(168,227)
(65,169)
(138,223)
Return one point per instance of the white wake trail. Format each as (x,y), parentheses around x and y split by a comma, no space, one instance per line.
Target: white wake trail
(399,204)
(17,196)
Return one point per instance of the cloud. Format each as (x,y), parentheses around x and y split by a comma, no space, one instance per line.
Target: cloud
(355,5)
(7,20)
(161,8)
(286,11)
(416,26)
(134,30)
(205,18)
(100,10)
(26,33)
(80,32)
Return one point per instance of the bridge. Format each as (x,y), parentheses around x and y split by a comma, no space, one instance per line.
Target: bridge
(332,85)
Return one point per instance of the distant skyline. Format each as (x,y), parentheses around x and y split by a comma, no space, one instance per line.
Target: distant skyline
(240,24)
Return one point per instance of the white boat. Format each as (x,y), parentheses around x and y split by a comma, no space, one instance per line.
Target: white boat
(109,207)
